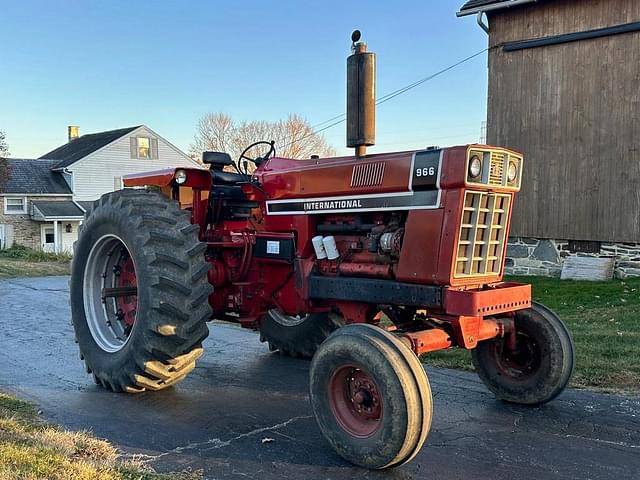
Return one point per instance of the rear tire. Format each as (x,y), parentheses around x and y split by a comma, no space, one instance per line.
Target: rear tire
(541,367)
(156,343)
(298,336)
(371,402)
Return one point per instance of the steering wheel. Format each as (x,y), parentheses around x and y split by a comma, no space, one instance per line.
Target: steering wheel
(257,161)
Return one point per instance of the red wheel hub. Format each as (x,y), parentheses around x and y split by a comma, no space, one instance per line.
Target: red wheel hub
(126,277)
(355,401)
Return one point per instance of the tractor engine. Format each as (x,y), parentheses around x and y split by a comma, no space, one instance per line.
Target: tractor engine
(370,245)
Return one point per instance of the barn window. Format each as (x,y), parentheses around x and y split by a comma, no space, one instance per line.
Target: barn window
(144,147)
(583,246)
(15,205)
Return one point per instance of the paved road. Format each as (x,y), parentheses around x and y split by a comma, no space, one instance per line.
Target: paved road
(240,394)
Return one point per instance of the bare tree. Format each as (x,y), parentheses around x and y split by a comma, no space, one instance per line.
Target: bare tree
(294,137)
(4,164)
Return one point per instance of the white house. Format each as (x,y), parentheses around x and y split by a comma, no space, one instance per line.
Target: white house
(43,201)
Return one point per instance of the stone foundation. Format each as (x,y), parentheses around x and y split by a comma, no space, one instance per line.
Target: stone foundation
(532,256)
(25,231)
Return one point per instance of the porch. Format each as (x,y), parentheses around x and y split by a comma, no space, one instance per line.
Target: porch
(59,224)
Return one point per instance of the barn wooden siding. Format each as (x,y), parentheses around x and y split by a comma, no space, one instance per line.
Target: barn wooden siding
(574,111)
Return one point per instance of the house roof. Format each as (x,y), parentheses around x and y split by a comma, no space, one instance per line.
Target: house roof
(475,6)
(34,177)
(84,145)
(56,209)
(87,205)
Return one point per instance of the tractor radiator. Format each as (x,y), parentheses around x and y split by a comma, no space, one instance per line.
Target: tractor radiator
(481,243)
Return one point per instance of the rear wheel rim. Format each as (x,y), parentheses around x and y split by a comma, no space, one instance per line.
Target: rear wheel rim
(110,293)
(287,320)
(356,401)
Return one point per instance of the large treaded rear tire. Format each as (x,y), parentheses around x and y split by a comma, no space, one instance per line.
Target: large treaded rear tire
(297,338)
(172,291)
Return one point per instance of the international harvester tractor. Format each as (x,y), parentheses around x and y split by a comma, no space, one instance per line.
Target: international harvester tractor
(362,263)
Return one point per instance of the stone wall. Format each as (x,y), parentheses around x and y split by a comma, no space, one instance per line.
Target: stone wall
(532,256)
(25,231)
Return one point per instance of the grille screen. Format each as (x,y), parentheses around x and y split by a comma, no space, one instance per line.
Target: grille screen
(482,234)
(496,168)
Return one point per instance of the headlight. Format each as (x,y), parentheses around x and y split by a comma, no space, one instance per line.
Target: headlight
(475,167)
(512,171)
(180,177)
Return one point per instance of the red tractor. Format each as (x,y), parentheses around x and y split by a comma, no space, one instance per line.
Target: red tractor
(362,263)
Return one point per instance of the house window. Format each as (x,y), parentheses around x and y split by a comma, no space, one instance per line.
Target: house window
(144,147)
(15,205)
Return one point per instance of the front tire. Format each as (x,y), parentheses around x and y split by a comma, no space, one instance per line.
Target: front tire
(370,396)
(139,292)
(541,366)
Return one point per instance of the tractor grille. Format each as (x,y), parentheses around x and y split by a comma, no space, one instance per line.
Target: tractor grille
(496,168)
(482,234)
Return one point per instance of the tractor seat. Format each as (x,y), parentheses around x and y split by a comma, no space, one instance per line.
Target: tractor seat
(226,178)
(216,160)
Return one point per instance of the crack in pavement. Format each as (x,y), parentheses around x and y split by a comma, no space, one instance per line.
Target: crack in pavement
(36,289)
(216,442)
(597,440)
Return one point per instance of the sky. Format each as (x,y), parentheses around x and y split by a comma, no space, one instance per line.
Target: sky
(110,64)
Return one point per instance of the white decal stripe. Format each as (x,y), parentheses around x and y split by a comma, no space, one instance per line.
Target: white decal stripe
(343,197)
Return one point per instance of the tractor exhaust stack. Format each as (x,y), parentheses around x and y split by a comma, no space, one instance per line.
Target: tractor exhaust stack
(361,96)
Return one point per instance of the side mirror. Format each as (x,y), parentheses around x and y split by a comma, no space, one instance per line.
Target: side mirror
(217,160)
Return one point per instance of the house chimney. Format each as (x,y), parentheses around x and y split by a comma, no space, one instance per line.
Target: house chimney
(73,131)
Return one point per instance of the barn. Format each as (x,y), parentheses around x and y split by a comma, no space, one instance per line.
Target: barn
(564,89)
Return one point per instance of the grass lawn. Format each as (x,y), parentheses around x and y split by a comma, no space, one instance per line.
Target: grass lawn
(19,261)
(31,449)
(604,319)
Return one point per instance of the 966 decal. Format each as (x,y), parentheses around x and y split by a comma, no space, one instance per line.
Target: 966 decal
(425,170)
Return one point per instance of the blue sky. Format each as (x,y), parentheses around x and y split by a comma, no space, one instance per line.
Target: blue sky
(104,65)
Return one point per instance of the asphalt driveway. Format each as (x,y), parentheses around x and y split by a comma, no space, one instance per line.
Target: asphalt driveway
(240,394)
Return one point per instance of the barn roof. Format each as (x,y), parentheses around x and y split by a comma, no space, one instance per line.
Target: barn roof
(84,145)
(475,6)
(30,176)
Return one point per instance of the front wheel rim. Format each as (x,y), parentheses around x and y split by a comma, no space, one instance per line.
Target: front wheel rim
(110,290)
(355,401)
(521,363)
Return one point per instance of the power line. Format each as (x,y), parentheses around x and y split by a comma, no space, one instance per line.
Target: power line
(413,85)
(338,119)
